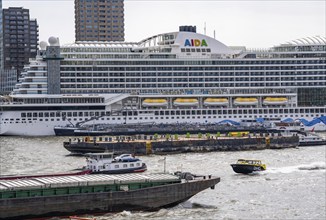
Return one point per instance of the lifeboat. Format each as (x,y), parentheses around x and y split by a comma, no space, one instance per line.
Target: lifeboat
(216,101)
(186,102)
(246,101)
(155,102)
(275,101)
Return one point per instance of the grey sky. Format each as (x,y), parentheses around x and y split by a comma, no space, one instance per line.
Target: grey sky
(259,23)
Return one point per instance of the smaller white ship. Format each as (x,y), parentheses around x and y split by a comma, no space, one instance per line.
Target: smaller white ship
(106,163)
(311,139)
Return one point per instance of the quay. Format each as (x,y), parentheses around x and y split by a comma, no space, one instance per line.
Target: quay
(167,144)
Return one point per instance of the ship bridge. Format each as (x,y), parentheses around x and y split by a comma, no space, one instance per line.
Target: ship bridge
(186,45)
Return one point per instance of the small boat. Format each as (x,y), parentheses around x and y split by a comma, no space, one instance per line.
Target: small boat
(106,163)
(248,166)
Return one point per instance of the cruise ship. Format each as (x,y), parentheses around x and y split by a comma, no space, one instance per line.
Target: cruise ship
(177,77)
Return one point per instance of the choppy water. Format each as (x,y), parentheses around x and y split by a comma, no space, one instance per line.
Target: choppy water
(292,187)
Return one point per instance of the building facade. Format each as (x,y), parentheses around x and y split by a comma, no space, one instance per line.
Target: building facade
(99,20)
(1,38)
(20,37)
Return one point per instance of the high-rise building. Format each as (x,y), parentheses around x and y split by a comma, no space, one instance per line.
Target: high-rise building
(99,20)
(1,38)
(20,37)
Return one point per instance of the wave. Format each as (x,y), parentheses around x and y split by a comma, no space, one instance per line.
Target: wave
(307,167)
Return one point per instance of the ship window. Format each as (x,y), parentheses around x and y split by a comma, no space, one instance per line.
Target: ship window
(57,114)
(29,114)
(132,165)
(116,166)
(125,165)
(51,114)
(69,114)
(23,115)
(35,115)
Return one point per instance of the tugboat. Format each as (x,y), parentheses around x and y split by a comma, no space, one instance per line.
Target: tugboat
(106,163)
(248,166)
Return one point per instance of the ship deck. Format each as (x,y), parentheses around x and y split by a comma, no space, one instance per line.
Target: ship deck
(42,186)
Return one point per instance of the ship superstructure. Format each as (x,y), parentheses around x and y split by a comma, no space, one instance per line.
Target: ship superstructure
(168,78)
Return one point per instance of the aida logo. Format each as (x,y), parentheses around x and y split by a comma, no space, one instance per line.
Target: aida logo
(195,43)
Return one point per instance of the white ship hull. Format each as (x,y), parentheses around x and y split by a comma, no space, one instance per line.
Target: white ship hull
(35,127)
(176,77)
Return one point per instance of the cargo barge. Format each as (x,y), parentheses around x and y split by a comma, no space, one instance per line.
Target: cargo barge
(144,145)
(152,128)
(99,193)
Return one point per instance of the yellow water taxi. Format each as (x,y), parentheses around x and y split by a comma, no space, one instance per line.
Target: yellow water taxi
(248,166)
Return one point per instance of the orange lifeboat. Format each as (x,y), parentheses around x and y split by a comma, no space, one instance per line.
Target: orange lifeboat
(246,101)
(186,102)
(275,101)
(216,101)
(155,102)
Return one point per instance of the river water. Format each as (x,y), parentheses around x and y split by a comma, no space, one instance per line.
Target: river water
(292,187)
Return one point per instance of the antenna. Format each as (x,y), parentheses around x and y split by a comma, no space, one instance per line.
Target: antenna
(214,34)
(205,28)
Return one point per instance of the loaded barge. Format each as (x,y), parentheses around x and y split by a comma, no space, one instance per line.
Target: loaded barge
(99,193)
(144,145)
